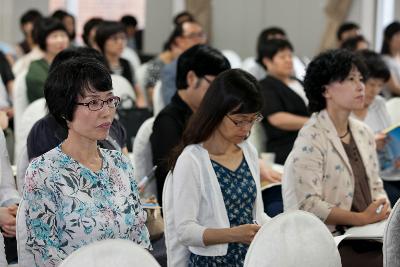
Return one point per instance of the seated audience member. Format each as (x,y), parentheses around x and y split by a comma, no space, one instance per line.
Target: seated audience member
(333,169)
(79,193)
(111,39)
(259,70)
(188,34)
(391,51)
(153,71)
(6,86)
(69,23)
(9,199)
(215,172)
(133,34)
(197,67)
(52,38)
(376,116)
(355,43)
(27,21)
(47,133)
(182,17)
(22,64)
(347,30)
(89,32)
(285,101)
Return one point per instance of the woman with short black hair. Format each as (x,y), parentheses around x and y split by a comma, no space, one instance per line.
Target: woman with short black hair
(79,193)
(52,37)
(333,171)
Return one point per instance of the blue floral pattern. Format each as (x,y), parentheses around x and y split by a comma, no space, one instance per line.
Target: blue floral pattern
(70,206)
(239,192)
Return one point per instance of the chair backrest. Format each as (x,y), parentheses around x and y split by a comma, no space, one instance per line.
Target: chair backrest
(122,87)
(158,102)
(133,58)
(141,73)
(233,58)
(25,257)
(295,238)
(177,254)
(3,261)
(22,165)
(34,112)
(392,106)
(391,238)
(258,137)
(250,65)
(20,100)
(110,252)
(143,156)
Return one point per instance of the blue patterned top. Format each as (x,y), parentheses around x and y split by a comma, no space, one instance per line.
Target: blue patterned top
(239,192)
(70,206)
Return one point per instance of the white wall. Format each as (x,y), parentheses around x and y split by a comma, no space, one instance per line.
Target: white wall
(10,13)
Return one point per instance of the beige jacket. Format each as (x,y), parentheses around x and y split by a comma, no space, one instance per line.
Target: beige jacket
(317,174)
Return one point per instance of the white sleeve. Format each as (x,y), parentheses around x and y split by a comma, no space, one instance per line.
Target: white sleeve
(186,188)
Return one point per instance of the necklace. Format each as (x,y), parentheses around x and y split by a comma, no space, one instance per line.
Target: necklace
(345,134)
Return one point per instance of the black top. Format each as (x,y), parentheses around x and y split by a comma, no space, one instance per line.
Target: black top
(168,128)
(278,97)
(5,69)
(47,133)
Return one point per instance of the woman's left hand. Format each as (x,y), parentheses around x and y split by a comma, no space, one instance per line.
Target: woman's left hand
(380,140)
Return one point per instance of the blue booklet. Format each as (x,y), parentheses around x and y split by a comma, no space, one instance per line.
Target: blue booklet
(389,157)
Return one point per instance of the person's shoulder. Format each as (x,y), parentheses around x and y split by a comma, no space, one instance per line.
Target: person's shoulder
(379,101)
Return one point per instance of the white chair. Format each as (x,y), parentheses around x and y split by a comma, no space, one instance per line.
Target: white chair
(34,112)
(391,238)
(110,252)
(251,66)
(22,165)
(122,87)
(177,254)
(158,102)
(20,100)
(25,257)
(3,261)
(392,106)
(295,238)
(258,137)
(143,156)
(233,58)
(141,74)
(133,58)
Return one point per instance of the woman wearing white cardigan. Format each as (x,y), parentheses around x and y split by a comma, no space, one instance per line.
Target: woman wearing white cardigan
(212,200)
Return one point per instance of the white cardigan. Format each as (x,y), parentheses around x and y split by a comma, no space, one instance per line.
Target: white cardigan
(193,202)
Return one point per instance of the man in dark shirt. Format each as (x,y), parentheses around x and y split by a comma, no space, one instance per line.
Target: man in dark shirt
(196,69)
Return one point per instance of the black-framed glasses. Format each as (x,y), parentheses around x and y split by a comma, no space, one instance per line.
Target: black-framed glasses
(206,79)
(194,35)
(244,123)
(97,104)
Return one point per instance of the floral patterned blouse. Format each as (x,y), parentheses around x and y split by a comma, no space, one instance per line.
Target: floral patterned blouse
(70,206)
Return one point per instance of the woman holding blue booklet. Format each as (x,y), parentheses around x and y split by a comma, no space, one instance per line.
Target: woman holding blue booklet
(212,204)
(333,170)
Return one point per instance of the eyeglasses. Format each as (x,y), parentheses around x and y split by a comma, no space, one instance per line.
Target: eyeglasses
(97,104)
(194,35)
(206,79)
(245,123)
